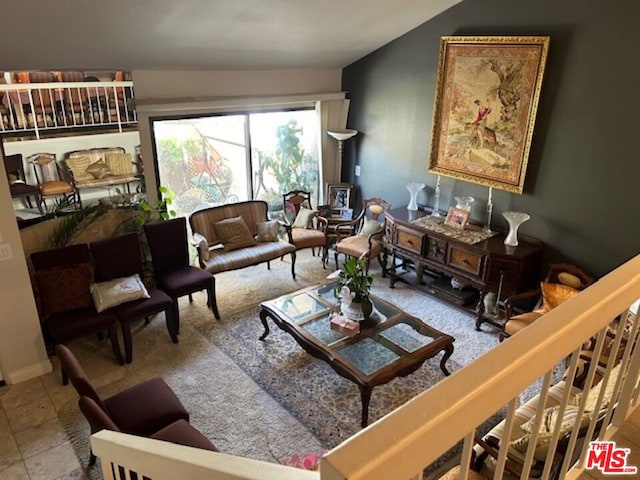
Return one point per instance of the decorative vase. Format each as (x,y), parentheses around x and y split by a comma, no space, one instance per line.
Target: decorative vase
(414,188)
(464,202)
(515,219)
(489,302)
(349,307)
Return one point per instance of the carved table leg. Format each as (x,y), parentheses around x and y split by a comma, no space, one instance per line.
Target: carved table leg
(448,351)
(480,310)
(263,318)
(365,395)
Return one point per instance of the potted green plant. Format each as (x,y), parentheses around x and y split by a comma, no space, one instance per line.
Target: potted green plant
(355,284)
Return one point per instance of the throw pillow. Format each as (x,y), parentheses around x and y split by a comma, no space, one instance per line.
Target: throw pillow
(64,288)
(553,294)
(202,244)
(117,291)
(78,166)
(119,163)
(369,226)
(99,170)
(547,427)
(303,217)
(569,280)
(234,233)
(267,231)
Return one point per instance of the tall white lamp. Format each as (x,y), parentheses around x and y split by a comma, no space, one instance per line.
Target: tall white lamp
(341,136)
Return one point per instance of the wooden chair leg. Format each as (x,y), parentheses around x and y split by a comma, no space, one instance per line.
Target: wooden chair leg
(190,298)
(115,343)
(175,313)
(293,264)
(211,292)
(171,322)
(128,344)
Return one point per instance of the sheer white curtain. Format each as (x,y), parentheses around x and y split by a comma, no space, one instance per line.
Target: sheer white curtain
(333,116)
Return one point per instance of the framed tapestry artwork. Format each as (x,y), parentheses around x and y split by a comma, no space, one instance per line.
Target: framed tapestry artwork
(339,197)
(485,107)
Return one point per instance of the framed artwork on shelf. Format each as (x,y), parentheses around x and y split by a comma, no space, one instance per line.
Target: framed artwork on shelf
(324,210)
(485,107)
(339,197)
(457,218)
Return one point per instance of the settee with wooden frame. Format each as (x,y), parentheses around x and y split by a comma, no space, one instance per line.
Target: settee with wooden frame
(102,168)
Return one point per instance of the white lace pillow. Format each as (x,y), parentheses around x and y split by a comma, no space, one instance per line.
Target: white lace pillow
(202,244)
(267,231)
(117,291)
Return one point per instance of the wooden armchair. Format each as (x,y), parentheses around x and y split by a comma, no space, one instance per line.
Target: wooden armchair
(563,280)
(367,240)
(307,229)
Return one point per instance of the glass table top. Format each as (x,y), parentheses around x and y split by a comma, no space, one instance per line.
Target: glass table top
(368,355)
(406,336)
(299,307)
(321,330)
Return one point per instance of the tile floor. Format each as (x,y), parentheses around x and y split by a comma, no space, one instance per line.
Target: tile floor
(34,445)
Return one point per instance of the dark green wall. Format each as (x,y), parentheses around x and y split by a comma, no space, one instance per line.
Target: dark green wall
(581,187)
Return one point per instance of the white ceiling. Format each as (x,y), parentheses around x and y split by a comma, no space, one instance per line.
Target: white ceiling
(202,34)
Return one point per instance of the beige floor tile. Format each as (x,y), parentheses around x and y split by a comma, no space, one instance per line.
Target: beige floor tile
(23,393)
(5,431)
(16,471)
(52,463)
(79,474)
(9,453)
(62,397)
(52,381)
(31,415)
(37,439)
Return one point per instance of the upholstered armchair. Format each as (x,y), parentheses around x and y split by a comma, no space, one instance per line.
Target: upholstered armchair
(307,229)
(369,228)
(562,282)
(53,181)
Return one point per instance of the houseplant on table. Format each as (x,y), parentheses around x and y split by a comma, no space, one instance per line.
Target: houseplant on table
(353,288)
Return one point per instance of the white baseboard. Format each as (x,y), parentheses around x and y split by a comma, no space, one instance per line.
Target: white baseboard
(32,371)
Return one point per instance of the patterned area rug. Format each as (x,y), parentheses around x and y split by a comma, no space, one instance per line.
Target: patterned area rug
(265,400)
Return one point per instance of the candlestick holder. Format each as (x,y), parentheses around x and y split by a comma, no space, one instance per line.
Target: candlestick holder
(435,212)
(487,225)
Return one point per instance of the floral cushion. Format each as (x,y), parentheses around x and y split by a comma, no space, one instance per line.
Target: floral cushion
(553,294)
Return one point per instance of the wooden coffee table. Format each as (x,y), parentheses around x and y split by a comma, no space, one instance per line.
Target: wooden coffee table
(391,344)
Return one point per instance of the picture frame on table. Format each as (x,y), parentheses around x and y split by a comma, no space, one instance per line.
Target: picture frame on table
(347,214)
(487,93)
(457,218)
(339,197)
(324,210)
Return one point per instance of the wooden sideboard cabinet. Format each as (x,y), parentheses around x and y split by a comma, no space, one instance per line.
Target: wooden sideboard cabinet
(482,266)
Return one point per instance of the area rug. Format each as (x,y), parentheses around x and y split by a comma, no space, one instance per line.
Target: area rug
(265,399)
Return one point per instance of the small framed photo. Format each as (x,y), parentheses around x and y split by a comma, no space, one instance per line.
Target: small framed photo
(346,213)
(339,197)
(457,217)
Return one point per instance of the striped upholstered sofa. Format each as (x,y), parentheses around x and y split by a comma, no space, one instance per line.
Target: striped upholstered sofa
(237,235)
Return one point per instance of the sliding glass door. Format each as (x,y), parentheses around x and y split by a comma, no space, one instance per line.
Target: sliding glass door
(218,159)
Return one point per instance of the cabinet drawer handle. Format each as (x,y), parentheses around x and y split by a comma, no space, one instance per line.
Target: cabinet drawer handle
(465,261)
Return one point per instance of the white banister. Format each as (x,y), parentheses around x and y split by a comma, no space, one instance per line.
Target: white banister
(416,434)
(35,108)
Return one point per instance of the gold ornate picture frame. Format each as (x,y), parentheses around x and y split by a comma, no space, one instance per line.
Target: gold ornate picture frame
(485,107)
